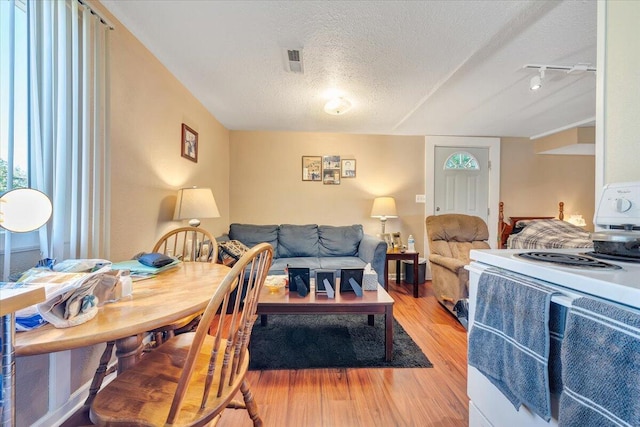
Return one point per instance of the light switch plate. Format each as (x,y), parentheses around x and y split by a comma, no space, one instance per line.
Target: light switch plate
(420,198)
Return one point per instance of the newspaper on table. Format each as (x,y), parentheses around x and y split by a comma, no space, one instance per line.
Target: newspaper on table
(72,297)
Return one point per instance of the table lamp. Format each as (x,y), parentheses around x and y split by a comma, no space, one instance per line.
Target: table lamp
(194,203)
(21,210)
(383,208)
(577,219)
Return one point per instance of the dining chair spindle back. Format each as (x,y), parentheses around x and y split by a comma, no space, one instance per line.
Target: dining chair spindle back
(191,378)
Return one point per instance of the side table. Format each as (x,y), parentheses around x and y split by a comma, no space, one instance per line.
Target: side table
(396,255)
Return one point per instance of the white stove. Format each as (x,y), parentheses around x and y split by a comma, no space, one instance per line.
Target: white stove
(618,210)
(618,285)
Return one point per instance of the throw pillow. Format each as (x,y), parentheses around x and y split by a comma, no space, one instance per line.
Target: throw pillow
(231,251)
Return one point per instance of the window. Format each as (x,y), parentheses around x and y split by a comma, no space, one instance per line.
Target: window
(461,160)
(14,156)
(14,145)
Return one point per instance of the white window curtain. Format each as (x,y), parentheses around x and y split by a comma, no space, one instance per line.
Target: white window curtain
(68,125)
(8,58)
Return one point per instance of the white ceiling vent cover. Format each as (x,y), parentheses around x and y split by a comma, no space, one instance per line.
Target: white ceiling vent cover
(293,60)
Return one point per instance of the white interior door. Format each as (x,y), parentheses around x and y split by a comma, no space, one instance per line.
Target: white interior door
(433,174)
(461,181)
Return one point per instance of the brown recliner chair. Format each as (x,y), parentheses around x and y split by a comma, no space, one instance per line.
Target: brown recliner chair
(451,237)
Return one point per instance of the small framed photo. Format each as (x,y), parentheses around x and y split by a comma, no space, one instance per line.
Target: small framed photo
(189,143)
(397,240)
(299,277)
(311,168)
(324,277)
(331,169)
(348,168)
(388,240)
(348,274)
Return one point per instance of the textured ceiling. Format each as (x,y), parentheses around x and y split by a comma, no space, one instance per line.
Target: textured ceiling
(409,68)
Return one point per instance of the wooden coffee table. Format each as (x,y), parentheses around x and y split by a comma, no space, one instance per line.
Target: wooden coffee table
(370,303)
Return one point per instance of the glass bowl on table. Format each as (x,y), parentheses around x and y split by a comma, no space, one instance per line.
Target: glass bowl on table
(275,283)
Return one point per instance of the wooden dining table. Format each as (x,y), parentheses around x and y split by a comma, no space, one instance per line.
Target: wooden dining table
(155,302)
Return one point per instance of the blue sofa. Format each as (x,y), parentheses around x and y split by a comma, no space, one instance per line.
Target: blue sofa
(314,246)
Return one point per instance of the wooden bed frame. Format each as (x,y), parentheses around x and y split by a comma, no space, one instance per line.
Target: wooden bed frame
(505,229)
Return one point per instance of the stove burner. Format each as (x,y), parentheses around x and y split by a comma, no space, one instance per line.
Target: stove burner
(611,257)
(568,260)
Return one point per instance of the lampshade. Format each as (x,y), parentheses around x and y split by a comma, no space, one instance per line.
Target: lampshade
(24,209)
(194,203)
(383,208)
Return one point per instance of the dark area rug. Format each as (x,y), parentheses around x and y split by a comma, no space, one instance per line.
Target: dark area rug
(330,341)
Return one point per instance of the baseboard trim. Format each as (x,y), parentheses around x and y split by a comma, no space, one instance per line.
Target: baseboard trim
(75,403)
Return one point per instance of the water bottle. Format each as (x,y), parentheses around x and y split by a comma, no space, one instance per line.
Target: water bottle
(411,243)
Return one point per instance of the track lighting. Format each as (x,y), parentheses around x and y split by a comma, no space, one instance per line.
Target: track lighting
(536,81)
(574,70)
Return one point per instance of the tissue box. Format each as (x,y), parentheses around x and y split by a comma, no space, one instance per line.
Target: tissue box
(370,280)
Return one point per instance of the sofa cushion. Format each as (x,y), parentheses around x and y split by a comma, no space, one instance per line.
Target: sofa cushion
(231,251)
(278,266)
(297,241)
(339,262)
(339,241)
(251,234)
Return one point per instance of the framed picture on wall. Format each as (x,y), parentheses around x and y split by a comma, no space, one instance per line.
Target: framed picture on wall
(348,168)
(331,169)
(189,143)
(311,168)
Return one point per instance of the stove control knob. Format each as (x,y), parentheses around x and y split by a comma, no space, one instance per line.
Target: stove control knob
(622,205)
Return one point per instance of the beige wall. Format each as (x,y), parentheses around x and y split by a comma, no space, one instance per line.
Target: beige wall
(622,87)
(532,184)
(267,186)
(148,106)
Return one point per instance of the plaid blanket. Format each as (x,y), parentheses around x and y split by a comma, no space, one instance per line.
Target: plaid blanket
(549,234)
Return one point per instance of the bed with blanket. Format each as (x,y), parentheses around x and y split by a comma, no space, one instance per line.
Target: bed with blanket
(533,232)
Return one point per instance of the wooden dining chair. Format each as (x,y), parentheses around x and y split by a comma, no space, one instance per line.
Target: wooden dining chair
(189,244)
(191,378)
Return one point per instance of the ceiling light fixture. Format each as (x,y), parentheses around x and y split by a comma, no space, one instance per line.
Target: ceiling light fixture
(568,69)
(337,106)
(536,81)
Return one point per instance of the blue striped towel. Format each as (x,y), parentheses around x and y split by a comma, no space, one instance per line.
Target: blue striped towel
(600,366)
(510,339)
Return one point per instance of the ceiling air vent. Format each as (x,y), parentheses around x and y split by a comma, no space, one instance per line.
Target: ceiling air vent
(293,60)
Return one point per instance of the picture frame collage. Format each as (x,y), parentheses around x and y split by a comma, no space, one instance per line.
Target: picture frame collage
(329,169)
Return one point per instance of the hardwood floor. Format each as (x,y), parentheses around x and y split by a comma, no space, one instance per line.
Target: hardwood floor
(375,397)
(434,397)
